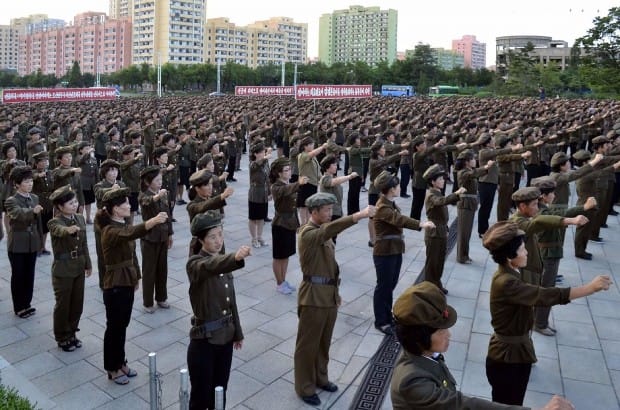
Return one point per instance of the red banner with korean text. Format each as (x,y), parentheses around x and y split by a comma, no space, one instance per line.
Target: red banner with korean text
(250,91)
(11,96)
(316,91)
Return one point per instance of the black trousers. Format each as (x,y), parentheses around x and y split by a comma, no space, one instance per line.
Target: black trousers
(118,304)
(417,202)
(508,381)
(387,268)
(232,165)
(22,279)
(486,192)
(353,196)
(405,177)
(209,367)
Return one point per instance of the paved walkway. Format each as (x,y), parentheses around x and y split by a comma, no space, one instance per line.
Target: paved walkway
(582,362)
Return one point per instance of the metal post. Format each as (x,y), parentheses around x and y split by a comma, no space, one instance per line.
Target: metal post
(153,380)
(282,73)
(219,63)
(159,73)
(295,81)
(219,398)
(184,390)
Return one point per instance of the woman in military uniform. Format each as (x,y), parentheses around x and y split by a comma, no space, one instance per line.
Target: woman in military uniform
(258,194)
(511,350)
(122,276)
(88,177)
(216,328)
(71,265)
(308,167)
(66,174)
(43,187)
(155,244)
(285,221)
(421,379)
(10,161)
(332,184)
(24,239)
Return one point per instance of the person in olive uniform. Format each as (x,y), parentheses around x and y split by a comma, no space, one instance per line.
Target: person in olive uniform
(24,239)
(308,167)
(258,194)
(421,379)
(7,189)
(155,244)
(70,268)
(436,239)
(88,177)
(318,299)
(332,184)
(216,328)
(43,184)
(66,174)
(511,350)
(356,154)
(122,276)
(467,177)
(389,247)
(130,173)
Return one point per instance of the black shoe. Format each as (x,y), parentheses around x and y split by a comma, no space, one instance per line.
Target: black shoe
(370,244)
(586,255)
(364,189)
(385,329)
(312,400)
(330,387)
(604,226)
(267,219)
(76,342)
(173,220)
(45,252)
(405,196)
(598,239)
(67,346)
(614,213)
(444,290)
(181,202)
(231,179)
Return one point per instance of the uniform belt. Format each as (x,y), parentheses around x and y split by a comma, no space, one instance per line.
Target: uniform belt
(386,237)
(321,280)
(469,196)
(513,339)
(549,244)
(212,325)
(67,255)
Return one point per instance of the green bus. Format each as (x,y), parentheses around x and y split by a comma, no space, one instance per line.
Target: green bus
(443,91)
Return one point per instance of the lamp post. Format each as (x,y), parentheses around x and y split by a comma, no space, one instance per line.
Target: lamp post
(159,74)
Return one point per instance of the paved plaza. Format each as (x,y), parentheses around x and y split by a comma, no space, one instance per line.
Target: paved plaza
(582,362)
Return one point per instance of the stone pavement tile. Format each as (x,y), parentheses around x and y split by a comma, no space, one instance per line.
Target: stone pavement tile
(461,330)
(280,395)
(615,378)
(482,321)
(351,290)
(343,348)
(611,350)
(27,347)
(572,312)
(354,370)
(576,334)
(159,338)
(545,377)
(65,378)
(483,299)
(256,343)
(10,335)
(241,388)
(288,347)
(169,358)
(370,343)
(251,319)
(586,395)
(36,325)
(170,383)
(583,364)
(90,346)
(463,288)
(360,307)
(536,400)
(345,324)
(475,380)
(129,401)
(267,367)
(605,308)
(90,327)
(607,328)
(13,378)
(160,317)
(344,399)
(115,390)
(283,327)
(545,346)
(275,304)
(458,377)
(469,273)
(464,306)
(458,355)
(244,302)
(478,348)
(83,397)
(38,365)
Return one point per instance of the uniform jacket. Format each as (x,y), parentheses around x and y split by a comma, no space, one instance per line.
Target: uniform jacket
(512,304)
(317,258)
(589,184)
(356,161)
(468,178)
(101,187)
(421,162)
(119,254)
(562,189)
(437,212)
(25,233)
(390,222)
(487,154)
(150,207)
(284,201)
(43,187)
(376,165)
(200,205)
(426,384)
(259,181)
(130,172)
(88,176)
(551,241)
(71,257)
(212,293)
(309,167)
(63,176)
(325,185)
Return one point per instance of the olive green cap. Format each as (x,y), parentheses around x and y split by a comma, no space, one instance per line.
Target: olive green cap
(526,194)
(559,158)
(601,139)
(200,177)
(582,155)
(466,154)
(544,183)
(40,156)
(319,199)
(114,193)
(151,169)
(384,180)
(67,149)
(500,234)
(204,221)
(59,194)
(433,172)
(424,304)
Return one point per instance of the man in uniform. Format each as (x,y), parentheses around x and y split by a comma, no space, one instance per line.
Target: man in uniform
(318,298)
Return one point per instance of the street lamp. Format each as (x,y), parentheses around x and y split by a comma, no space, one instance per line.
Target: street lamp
(159,73)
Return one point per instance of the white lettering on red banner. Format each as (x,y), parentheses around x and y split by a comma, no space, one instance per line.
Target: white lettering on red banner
(57,94)
(248,91)
(309,92)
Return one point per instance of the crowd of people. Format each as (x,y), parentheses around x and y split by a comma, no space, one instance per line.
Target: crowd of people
(144,157)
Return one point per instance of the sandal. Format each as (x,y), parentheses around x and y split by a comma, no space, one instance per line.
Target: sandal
(67,345)
(129,372)
(25,313)
(120,379)
(76,342)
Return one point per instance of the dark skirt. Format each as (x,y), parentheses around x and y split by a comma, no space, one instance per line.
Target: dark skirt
(372,199)
(133,200)
(89,196)
(257,211)
(283,242)
(304,192)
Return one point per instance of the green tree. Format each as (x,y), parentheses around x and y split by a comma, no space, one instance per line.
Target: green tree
(74,77)
(523,77)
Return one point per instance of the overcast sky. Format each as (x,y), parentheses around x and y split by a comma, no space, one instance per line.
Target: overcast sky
(437,22)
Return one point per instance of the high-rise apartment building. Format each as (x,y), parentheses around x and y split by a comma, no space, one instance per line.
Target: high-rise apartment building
(97,43)
(120,8)
(35,23)
(9,47)
(260,43)
(447,59)
(358,34)
(168,31)
(474,52)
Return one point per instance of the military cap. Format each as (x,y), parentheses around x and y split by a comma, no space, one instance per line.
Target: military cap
(151,169)
(114,193)
(417,140)
(424,304)
(109,163)
(20,173)
(544,183)
(433,172)
(293,140)
(601,139)
(483,139)
(306,140)
(385,180)
(159,151)
(466,155)
(40,156)
(83,144)
(6,145)
(61,195)
(200,177)
(500,233)
(67,149)
(204,221)
(181,131)
(127,149)
(34,130)
(278,164)
(210,144)
(258,147)
(502,139)
(135,135)
(528,131)
(319,199)
(582,155)
(559,158)
(526,194)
